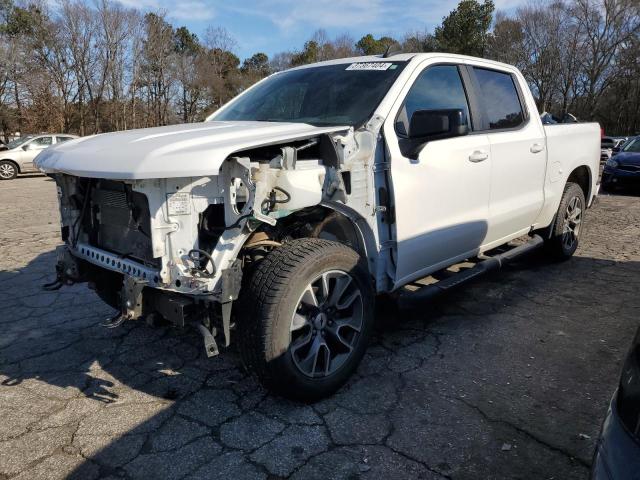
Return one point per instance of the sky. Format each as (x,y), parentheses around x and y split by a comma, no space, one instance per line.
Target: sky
(272,26)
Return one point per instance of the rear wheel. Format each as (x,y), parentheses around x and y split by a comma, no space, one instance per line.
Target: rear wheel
(306,317)
(8,170)
(567,226)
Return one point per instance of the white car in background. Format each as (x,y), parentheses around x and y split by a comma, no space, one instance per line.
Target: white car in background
(19,154)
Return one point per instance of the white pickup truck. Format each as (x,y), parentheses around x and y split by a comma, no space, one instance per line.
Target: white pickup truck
(313,191)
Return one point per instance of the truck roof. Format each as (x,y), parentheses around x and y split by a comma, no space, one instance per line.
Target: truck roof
(406,57)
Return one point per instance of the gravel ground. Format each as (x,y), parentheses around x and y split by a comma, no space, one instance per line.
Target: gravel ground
(508,377)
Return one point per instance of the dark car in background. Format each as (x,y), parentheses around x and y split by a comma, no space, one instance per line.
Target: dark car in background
(609,146)
(623,169)
(617,455)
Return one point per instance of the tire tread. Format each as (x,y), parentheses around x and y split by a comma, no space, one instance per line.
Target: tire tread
(261,295)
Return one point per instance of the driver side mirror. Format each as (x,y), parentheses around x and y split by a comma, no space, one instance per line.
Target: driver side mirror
(427,125)
(27,147)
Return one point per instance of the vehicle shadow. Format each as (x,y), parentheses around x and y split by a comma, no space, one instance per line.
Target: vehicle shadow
(145,402)
(24,176)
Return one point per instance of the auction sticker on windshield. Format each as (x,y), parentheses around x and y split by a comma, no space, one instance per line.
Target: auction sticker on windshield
(369,66)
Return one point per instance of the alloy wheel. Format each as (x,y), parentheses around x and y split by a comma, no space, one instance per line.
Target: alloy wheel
(326,324)
(572,223)
(7,171)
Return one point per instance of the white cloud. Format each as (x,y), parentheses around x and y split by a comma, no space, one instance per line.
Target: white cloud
(510,4)
(375,16)
(286,14)
(191,10)
(183,10)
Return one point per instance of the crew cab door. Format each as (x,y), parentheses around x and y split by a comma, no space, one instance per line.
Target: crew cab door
(518,153)
(441,193)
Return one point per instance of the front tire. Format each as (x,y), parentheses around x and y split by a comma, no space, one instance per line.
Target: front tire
(8,170)
(306,315)
(567,226)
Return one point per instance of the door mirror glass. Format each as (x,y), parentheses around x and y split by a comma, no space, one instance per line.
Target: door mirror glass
(438,124)
(27,147)
(428,125)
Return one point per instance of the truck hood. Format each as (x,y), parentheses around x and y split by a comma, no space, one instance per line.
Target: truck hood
(188,150)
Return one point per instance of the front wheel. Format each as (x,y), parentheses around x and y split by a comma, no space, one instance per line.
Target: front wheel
(306,315)
(8,170)
(568,223)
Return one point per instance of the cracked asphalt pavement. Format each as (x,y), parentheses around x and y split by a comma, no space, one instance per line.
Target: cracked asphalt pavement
(507,377)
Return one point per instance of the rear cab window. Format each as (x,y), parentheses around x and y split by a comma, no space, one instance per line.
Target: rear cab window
(499,99)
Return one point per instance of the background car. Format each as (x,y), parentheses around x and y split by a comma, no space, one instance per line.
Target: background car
(622,143)
(623,169)
(609,146)
(617,454)
(19,154)
(606,148)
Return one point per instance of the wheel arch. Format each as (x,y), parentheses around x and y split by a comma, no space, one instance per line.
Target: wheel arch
(582,176)
(328,220)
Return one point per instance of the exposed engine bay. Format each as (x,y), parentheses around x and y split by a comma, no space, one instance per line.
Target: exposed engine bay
(177,247)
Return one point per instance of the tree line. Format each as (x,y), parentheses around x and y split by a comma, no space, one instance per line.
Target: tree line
(86,68)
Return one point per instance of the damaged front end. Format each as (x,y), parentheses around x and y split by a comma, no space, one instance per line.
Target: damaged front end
(176,247)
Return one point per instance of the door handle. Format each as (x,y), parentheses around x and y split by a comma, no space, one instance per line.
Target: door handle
(536,148)
(478,156)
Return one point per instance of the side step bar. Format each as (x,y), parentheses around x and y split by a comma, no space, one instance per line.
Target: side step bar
(414,299)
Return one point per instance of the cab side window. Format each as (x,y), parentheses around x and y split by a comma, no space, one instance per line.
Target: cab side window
(437,88)
(499,99)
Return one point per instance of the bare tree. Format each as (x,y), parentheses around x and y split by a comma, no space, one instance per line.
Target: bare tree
(115,26)
(418,41)
(79,32)
(219,65)
(280,61)
(570,54)
(188,57)
(541,32)
(506,42)
(606,27)
(155,69)
(52,54)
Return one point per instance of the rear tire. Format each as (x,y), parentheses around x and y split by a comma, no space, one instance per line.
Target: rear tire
(8,170)
(306,315)
(568,223)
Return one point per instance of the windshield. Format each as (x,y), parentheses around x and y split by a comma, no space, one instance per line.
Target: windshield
(18,141)
(343,94)
(633,146)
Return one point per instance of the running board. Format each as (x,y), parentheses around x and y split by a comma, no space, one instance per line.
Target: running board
(412,299)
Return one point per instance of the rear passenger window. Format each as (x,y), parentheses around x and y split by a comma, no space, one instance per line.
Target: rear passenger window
(437,88)
(499,97)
